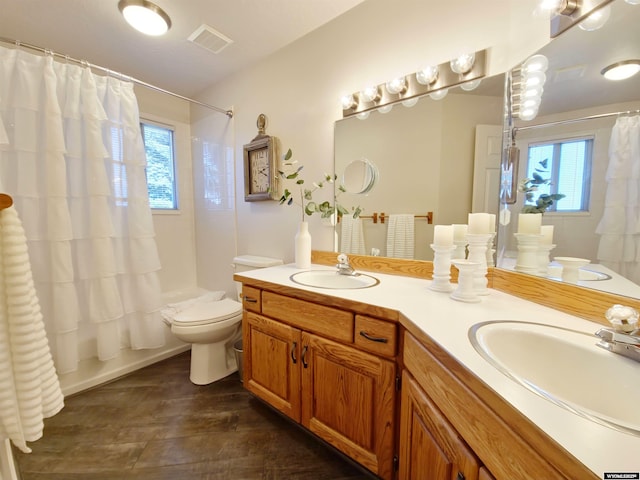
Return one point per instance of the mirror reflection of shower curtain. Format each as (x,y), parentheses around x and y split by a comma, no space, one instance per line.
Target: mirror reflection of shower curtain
(75,166)
(619,228)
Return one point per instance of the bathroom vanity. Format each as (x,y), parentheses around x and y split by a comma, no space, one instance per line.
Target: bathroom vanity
(388,376)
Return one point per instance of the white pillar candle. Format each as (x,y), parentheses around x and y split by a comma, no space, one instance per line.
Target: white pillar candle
(547,234)
(529,223)
(459,233)
(478,223)
(443,235)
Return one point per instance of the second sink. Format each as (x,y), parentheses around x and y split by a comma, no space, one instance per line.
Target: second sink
(331,279)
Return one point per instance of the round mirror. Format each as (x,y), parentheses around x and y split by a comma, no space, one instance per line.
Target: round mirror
(359,176)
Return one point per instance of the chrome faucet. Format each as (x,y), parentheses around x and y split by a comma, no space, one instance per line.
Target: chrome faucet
(343,266)
(627,344)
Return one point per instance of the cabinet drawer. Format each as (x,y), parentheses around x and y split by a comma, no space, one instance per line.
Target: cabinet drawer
(251,299)
(328,321)
(376,336)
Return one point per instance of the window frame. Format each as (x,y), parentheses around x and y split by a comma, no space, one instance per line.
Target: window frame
(556,142)
(145,120)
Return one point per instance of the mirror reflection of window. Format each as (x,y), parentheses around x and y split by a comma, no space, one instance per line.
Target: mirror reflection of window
(567,165)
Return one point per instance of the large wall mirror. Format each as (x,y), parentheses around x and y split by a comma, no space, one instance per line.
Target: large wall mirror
(586,138)
(424,159)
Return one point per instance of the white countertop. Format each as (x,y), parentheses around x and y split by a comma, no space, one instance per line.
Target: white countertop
(600,448)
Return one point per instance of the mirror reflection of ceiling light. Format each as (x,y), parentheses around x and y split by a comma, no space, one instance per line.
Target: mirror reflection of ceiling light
(596,20)
(411,102)
(439,94)
(633,2)
(386,109)
(472,85)
(144,16)
(621,70)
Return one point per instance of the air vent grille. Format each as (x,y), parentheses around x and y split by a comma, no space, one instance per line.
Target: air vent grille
(209,38)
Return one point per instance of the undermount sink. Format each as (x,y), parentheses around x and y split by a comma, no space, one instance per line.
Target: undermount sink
(332,279)
(565,367)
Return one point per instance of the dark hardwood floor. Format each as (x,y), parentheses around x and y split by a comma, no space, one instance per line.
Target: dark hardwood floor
(155,424)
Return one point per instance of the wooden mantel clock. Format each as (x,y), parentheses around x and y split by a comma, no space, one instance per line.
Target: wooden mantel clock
(260,165)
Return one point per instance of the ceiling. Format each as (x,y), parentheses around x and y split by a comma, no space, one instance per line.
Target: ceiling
(94,30)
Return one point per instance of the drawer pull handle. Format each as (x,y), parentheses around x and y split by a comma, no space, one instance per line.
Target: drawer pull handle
(293,352)
(373,339)
(460,476)
(250,300)
(304,356)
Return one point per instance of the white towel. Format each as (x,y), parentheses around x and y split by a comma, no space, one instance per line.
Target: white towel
(29,387)
(352,236)
(401,236)
(170,310)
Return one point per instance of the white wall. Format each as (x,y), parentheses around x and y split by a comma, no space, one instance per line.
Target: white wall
(299,87)
(175,235)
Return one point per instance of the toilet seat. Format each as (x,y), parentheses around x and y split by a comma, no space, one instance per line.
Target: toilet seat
(208,313)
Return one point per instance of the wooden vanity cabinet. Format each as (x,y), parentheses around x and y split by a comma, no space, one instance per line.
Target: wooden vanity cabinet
(429,445)
(302,358)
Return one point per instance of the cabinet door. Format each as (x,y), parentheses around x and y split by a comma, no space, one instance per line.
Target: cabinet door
(429,446)
(348,400)
(271,356)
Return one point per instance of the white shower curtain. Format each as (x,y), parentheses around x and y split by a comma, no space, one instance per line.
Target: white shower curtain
(75,166)
(619,228)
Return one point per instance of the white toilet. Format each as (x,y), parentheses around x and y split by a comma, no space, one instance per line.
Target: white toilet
(213,326)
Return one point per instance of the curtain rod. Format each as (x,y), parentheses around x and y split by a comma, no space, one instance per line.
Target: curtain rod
(17,43)
(574,120)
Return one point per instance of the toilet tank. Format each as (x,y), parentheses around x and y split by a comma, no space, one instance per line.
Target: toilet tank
(243,263)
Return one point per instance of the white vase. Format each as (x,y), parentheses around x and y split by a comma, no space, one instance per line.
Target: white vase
(303,246)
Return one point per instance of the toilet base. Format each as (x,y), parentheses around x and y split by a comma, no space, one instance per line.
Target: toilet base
(211,362)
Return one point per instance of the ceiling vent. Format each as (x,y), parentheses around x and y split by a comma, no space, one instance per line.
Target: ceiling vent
(209,38)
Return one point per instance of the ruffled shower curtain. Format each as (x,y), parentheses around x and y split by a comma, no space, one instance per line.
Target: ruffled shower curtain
(75,166)
(619,228)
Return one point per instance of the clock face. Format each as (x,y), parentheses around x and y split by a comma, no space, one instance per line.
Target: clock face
(259,168)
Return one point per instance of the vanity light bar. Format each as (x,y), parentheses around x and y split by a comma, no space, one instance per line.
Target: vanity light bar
(571,12)
(414,89)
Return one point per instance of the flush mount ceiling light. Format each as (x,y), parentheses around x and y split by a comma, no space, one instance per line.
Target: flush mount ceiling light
(144,16)
(621,70)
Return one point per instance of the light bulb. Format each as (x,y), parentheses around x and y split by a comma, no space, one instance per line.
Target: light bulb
(410,102)
(534,79)
(633,2)
(472,85)
(536,63)
(596,20)
(439,94)
(386,108)
(362,115)
(348,102)
(463,64)
(533,92)
(397,85)
(528,114)
(370,94)
(533,102)
(427,75)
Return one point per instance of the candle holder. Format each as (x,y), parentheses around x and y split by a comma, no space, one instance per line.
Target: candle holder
(544,249)
(478,253)
(465,292)
(461,249)
(490,250)
(527,261)
(571,268)
(442,268)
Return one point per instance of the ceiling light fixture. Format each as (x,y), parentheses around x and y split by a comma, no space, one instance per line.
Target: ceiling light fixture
(144,16)
(621,70)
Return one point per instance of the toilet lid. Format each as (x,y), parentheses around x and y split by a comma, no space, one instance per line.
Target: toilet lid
(203,313)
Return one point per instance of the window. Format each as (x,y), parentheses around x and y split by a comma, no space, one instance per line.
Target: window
(161,179)
(567,166)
